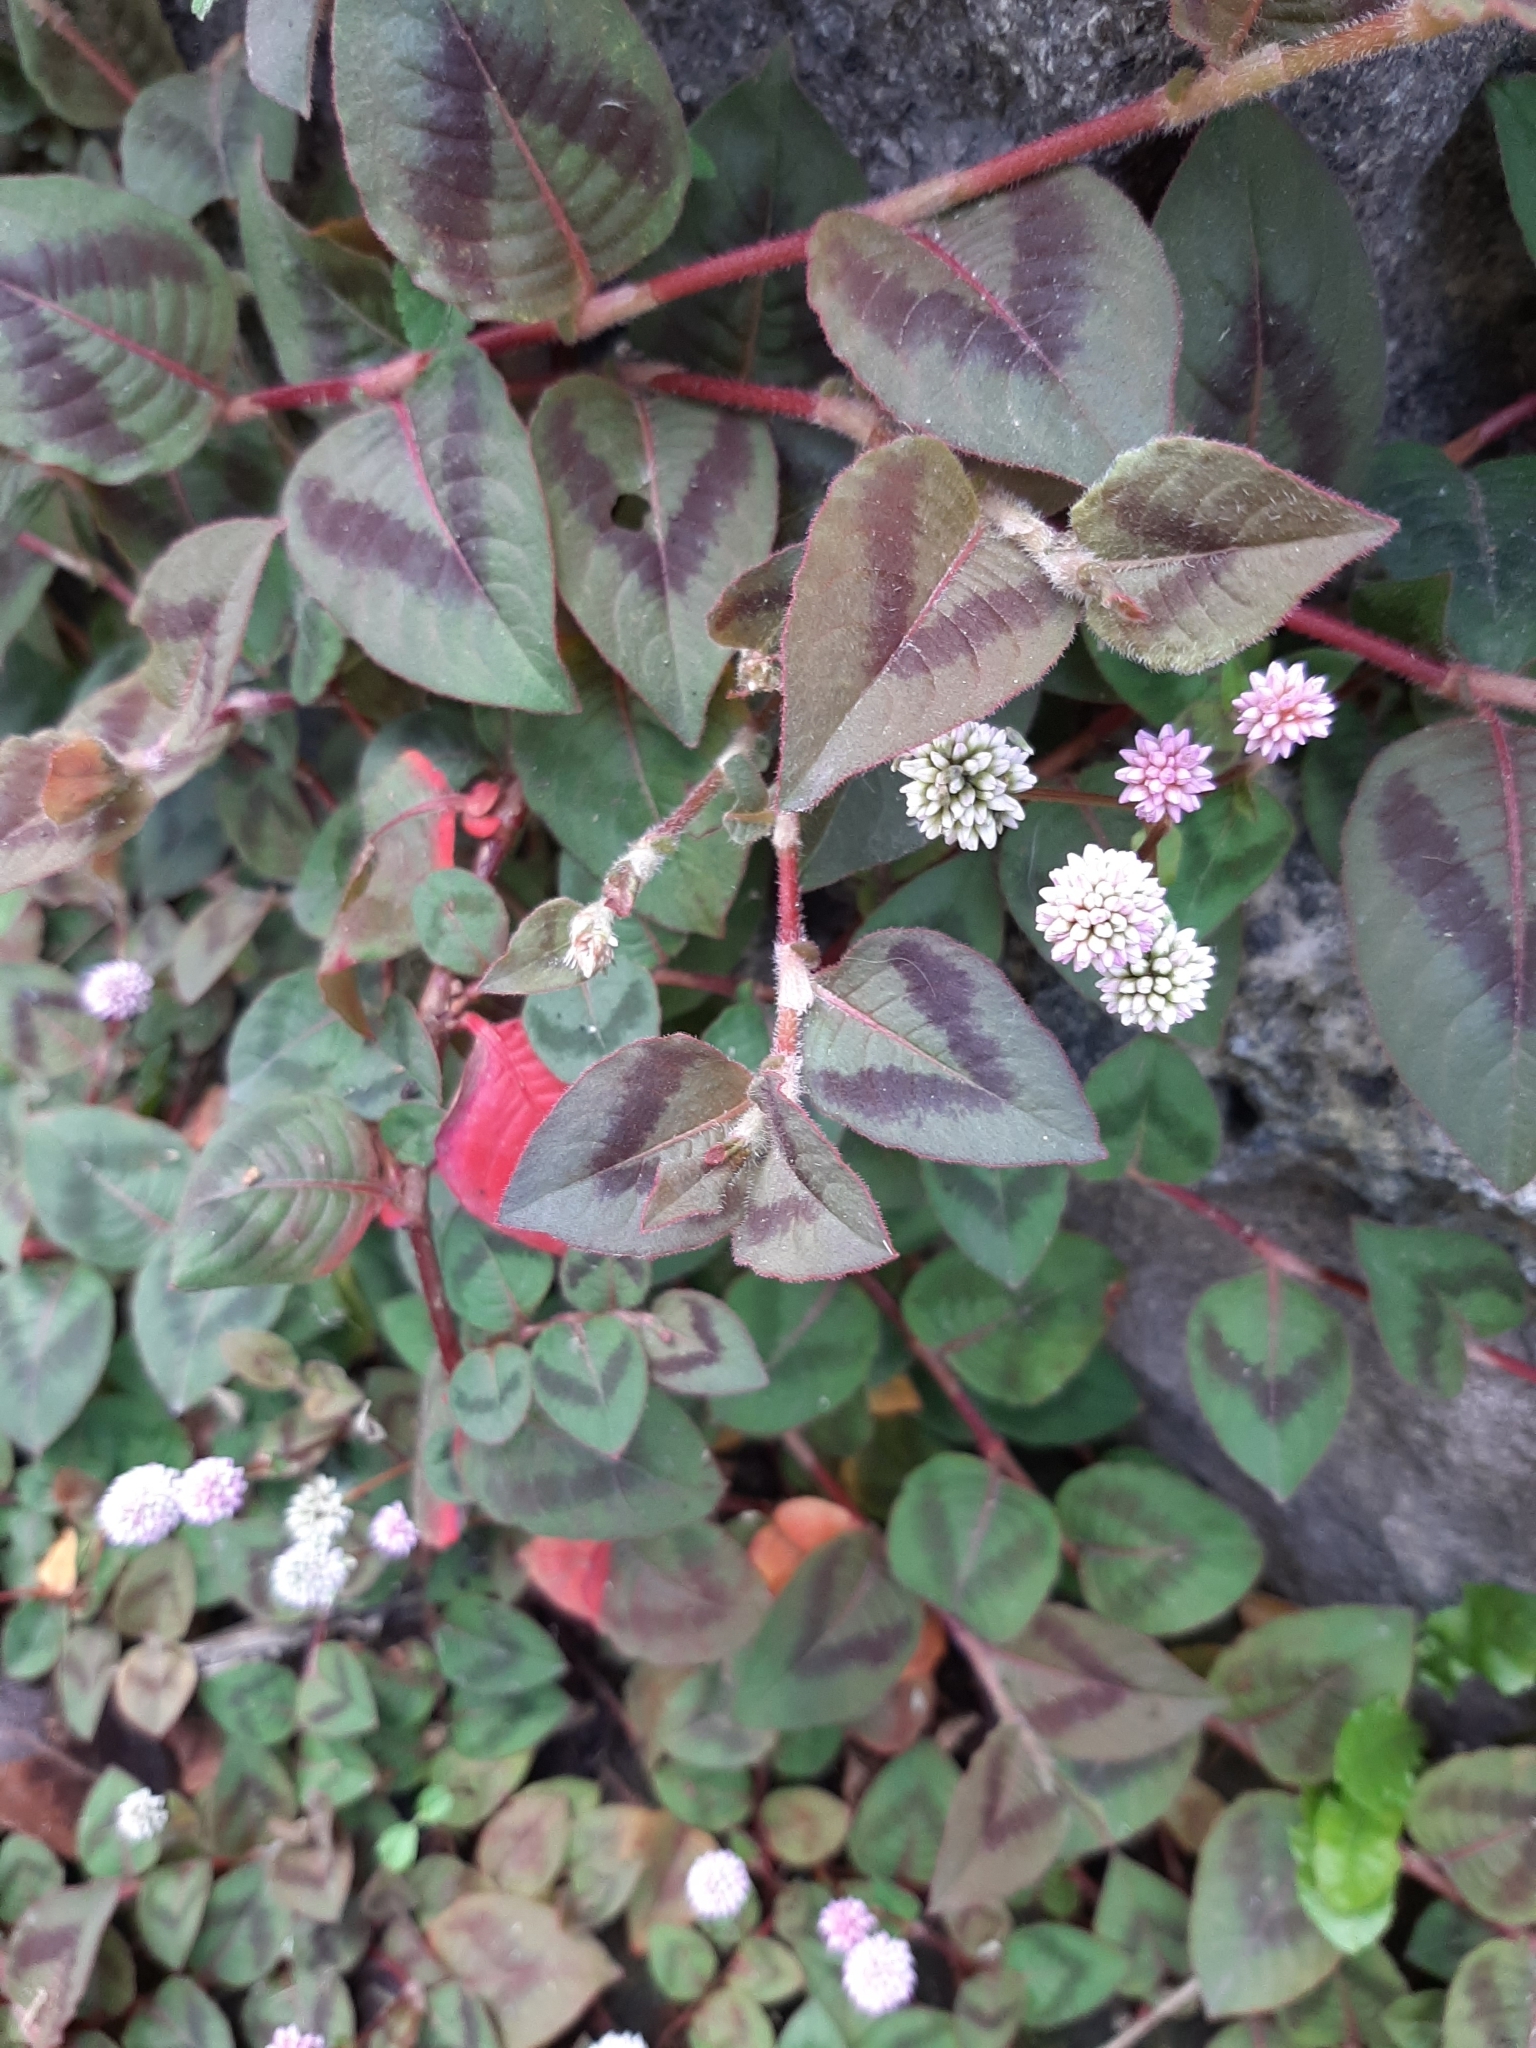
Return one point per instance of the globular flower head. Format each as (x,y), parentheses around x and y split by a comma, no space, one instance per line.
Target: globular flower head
(1100,907)
(392,1533)
(140,1816)
(1163,986)
(308,1577)
(1282,708)
(844,1923)
(317,1513)
(616,2040)
(718,1885)
(211,1491)
(1165,775)
(964,787)
(295,2037)
(880,1974)
(140,1507)
(592,942)
(116,990)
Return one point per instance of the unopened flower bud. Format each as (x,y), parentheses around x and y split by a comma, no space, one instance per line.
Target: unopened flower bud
(592,942)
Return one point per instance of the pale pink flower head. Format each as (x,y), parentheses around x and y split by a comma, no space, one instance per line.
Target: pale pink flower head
(116,990)
(879,1975)
(1283,707)
(718,1885)
(844,1923)
(1163,986)
(392,1533)
(211,1491)
(140,1507)
(1165,775)
(1101,906)
(295,2037)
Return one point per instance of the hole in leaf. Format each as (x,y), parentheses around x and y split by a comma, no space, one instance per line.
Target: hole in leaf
(630,512)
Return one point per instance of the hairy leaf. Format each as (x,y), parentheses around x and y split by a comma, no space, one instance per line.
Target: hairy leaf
(656,505)
(1155,1550)
(974,1543)
(1297,1679)
(832,1643)
(1269,1365)
(1430,1291)
(1201,549)
(547,1483)
(1252,1946)
(910,612)
(130,34)
(115,325)
(55,1332)
(419,526)
(512,156)
(1006,1822)
(804,1213)
(185,139)
(1038,327)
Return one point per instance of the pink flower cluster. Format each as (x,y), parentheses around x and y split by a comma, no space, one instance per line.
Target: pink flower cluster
(1165,775)
(1282,708)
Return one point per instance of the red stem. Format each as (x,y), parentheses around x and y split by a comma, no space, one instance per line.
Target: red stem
(95,573)
(791,921)
(1461,682)
(1492,429)
(804,1455)
(58,21)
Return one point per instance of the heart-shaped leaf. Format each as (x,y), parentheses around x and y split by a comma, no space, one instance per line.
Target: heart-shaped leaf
(490,1392)
(689,1596)
(282,1193)
(104,1185)
(1250,1941)
(1015,1345)
(1269,1365)
(1038,328)
(419,526)
(1296,1681)
(1156,1113)
(1430,1291)
(55,1332)
(181,2014)
(131,35)
(153,1685)
(1097,1692)
(920,1044)
(547,1483)
(911,612)
(169,1911)
(805,1213)
(1200,549)
(118,321)
(1005,1824)
(589,1378)
(698,1346)
(833,1642)
(1440,879)
(900,1820)
(1155,1550)
(1492,1999)
(510,156)
(974,1543)
(656,505)
(185,140)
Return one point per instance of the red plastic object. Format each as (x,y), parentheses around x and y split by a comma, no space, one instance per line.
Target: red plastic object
(506,1093)
(570,1571)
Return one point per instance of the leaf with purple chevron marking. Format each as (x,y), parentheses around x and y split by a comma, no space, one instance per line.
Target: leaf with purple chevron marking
(656,505)
(132,36)
(1269,1365)
(656,1116)
(512,153)
(1251,1942)
(116,322)
(194,607)
(1283,341)
(1005,1824)
(1039,327)
(1200,549)
(832,1643)
(420,527)
(1440,881)
(1098,1692)
(750,612)
(689,1596)
(805,1213)
(919,1043)
(910,613)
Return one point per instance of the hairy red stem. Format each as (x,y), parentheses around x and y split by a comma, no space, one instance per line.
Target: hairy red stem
(1462,682)
(1492,429)
(97,574)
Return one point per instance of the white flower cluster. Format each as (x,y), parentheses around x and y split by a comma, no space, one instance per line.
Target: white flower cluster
(144,1505)
(879,1969)
(309,1576)
(140,1816)
(964,787)
(116,990)
(1105,910)
(718,1885)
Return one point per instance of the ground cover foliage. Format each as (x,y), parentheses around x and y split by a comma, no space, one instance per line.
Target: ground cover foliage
(537,1338)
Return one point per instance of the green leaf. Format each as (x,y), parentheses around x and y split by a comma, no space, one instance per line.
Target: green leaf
(803,1825)
(1155,1550)
(253,1700)
(419,526)
(777,167)
(1252,1945)
(169,1909)
(958,897)
(281,1193)
(550,1485)
(1283,341)
(214,940)
(900,1819)
(490,1392)
(334,1697)
(461,921)
(155,1594)
(1098,1400)
(655,505)
(1430,1291)
(1269,1365)
(697,1346)
(1378,1756)
(490,1280)
(1021,1346)
(1201,549)
(910,612)
(1347,1867)
(1492,1999)
(1479,1812)
(104,1185)
(570,1029)
(974,1543)
(511,158)
(243,1931)
(1155,1114)
(1006,1822)
(536,1975)
(817,1343)
(133,315)
(1512,103)
(1146,1917)
(1297,1679)
(589,1378)
(130,34)
(288,1042)
(180,2015)
(918,1043)
(184,140)
(32,1639)
(1478,526)
(682,1961)
(834,1640)
(1067,1972)
(804,1213)
(689,1596)
(64,798)
(1004,1218)
(1231,845)
(53,1948)
(56,1322)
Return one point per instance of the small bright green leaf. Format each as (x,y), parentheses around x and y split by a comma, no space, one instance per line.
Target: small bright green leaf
(1155,1113)
(1377,1757)
(1269,1364)
(832,1643)
(974,1543)
(1298,1678)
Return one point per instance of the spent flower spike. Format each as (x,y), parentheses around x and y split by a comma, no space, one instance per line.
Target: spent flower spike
(844,1923)
(880,1974)
(1282,708)
(392,1533)
(593,941)
(964,787)
(1165,776)
(718,1885)
(1100,907)
(317,1513)
(140,1816)
(140,1507)
(1163,986)
(116,990)
(211,1491)
(308,1577)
